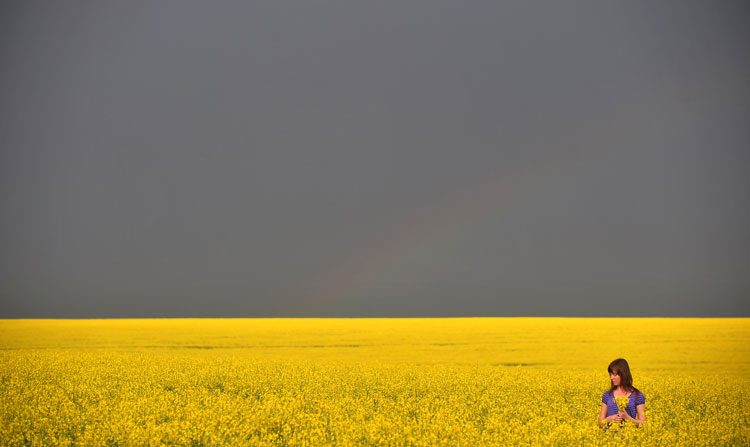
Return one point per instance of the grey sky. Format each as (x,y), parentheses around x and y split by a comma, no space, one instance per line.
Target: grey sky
(410,158)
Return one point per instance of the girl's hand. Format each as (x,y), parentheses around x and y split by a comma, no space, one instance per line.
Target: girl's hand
(614,418)
(623,415)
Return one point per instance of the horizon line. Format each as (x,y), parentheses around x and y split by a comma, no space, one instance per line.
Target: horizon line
(364,317)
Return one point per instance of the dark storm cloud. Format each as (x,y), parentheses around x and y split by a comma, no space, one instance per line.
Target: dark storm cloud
(405,158)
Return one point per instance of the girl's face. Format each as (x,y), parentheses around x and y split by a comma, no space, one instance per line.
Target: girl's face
(614,377)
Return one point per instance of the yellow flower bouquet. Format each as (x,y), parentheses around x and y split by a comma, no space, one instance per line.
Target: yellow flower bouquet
(622,402)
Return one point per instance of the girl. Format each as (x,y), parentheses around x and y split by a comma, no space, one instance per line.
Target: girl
(622,385)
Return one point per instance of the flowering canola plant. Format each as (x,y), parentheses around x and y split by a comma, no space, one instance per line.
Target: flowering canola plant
(350,382)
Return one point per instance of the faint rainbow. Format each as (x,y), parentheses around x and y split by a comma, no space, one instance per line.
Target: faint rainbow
(471,203)
(423,228)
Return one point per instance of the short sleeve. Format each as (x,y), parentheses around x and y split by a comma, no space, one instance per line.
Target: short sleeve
(604,397)
(640,399)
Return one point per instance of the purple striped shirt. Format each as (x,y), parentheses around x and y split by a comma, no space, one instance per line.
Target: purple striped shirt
(609,399)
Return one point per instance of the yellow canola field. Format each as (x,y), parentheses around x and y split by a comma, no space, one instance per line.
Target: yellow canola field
(370,381)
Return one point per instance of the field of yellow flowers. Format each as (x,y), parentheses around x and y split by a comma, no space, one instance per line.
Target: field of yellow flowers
(390,382)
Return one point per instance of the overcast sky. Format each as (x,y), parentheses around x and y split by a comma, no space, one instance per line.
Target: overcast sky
(407,158)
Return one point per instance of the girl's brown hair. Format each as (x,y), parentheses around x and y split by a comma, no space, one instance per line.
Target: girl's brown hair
(621,368)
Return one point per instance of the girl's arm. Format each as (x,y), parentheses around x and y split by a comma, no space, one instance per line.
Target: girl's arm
(640,417)
(603,415)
